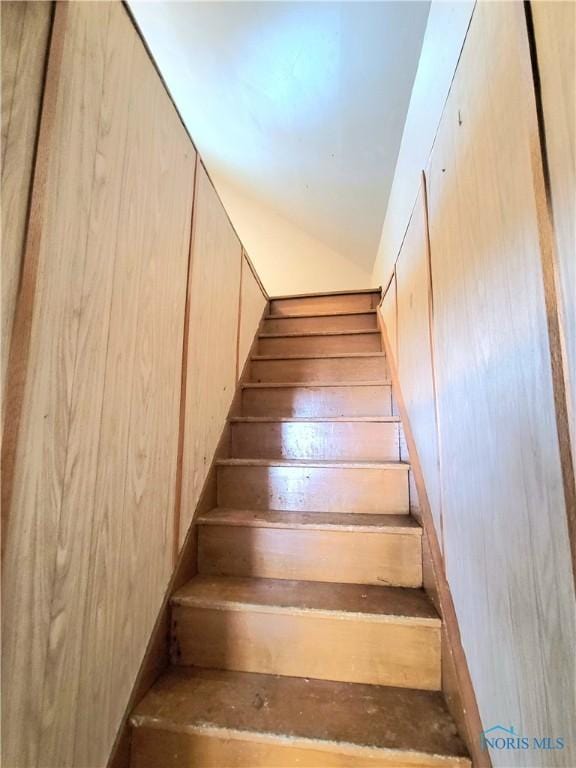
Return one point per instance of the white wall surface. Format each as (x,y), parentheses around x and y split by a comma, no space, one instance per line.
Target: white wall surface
(287,258)
(445,32)
(301,107)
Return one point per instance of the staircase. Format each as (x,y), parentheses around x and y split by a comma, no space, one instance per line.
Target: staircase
(306,638)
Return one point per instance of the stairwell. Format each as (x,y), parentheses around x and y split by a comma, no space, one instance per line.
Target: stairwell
(306,638)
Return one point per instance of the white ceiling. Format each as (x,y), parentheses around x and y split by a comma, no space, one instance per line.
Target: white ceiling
(299,104)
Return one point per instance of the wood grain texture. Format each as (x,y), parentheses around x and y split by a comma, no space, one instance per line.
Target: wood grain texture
(252,305)
(347,440)
(25,35)
(340,556)
(155,746)
(357,321)
(503,503)
(92,506)
(356,341)
(390,315)
(376,490)
(554,25)
(325,303)
(414,352)
(212,339)
(317,723)
(376,635)
(301,401)
(331,369)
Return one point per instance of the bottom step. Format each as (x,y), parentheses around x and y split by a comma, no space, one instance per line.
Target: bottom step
(212,719)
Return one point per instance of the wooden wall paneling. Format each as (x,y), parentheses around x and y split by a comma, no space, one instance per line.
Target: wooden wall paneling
(456,682)
(555,37)
(92,504)
(157,247)
(551,41)
(388,309)
(155,659)
(505,530)
(252,303)
(212,340)
(25,35)
(31,565)
(414,352)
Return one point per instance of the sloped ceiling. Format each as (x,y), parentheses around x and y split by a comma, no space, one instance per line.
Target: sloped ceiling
(299,104)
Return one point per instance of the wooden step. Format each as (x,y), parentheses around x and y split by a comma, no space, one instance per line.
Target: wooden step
(339,321)
(335,367)
(319,342)
(213,718)
(325,303)
(346,632)
(372,438)
(313,486)
(311,546)
(299,399)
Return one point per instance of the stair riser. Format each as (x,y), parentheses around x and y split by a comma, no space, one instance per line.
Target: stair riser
(344,342)
(389,559)
(315,489)
(365,322)
(153,747)
(303,644)
(320,369)
(318,401)
(370,441)
(306,305)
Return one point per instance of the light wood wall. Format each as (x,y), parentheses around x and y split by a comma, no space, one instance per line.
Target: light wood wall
(25,29)
(92,437)
(480,316)
(252,304)
(214,298)
(414,351)
(555,33)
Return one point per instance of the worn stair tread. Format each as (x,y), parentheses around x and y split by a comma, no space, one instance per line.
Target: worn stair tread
(398,604)
(317,294)
(312,384)
(314,419)
(302,711)
(320,463)
(299,334)
(319,355)
(317,521)
(336,313)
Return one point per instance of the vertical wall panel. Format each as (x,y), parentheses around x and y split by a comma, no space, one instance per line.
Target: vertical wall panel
(89,537)
(505,532)
(212,339)
(252,303)
(25,33)
(414,357)
(555,31)
(389,315)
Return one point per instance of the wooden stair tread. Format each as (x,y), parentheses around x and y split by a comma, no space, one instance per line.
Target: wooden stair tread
(302,711)
(297,335)
(312,384)
(317,294)
(336,313)
(319,356)
(314,419)
(323,464)
(401,604)
(318,521)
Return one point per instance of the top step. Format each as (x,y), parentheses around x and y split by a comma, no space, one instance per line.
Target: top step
(325,303)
